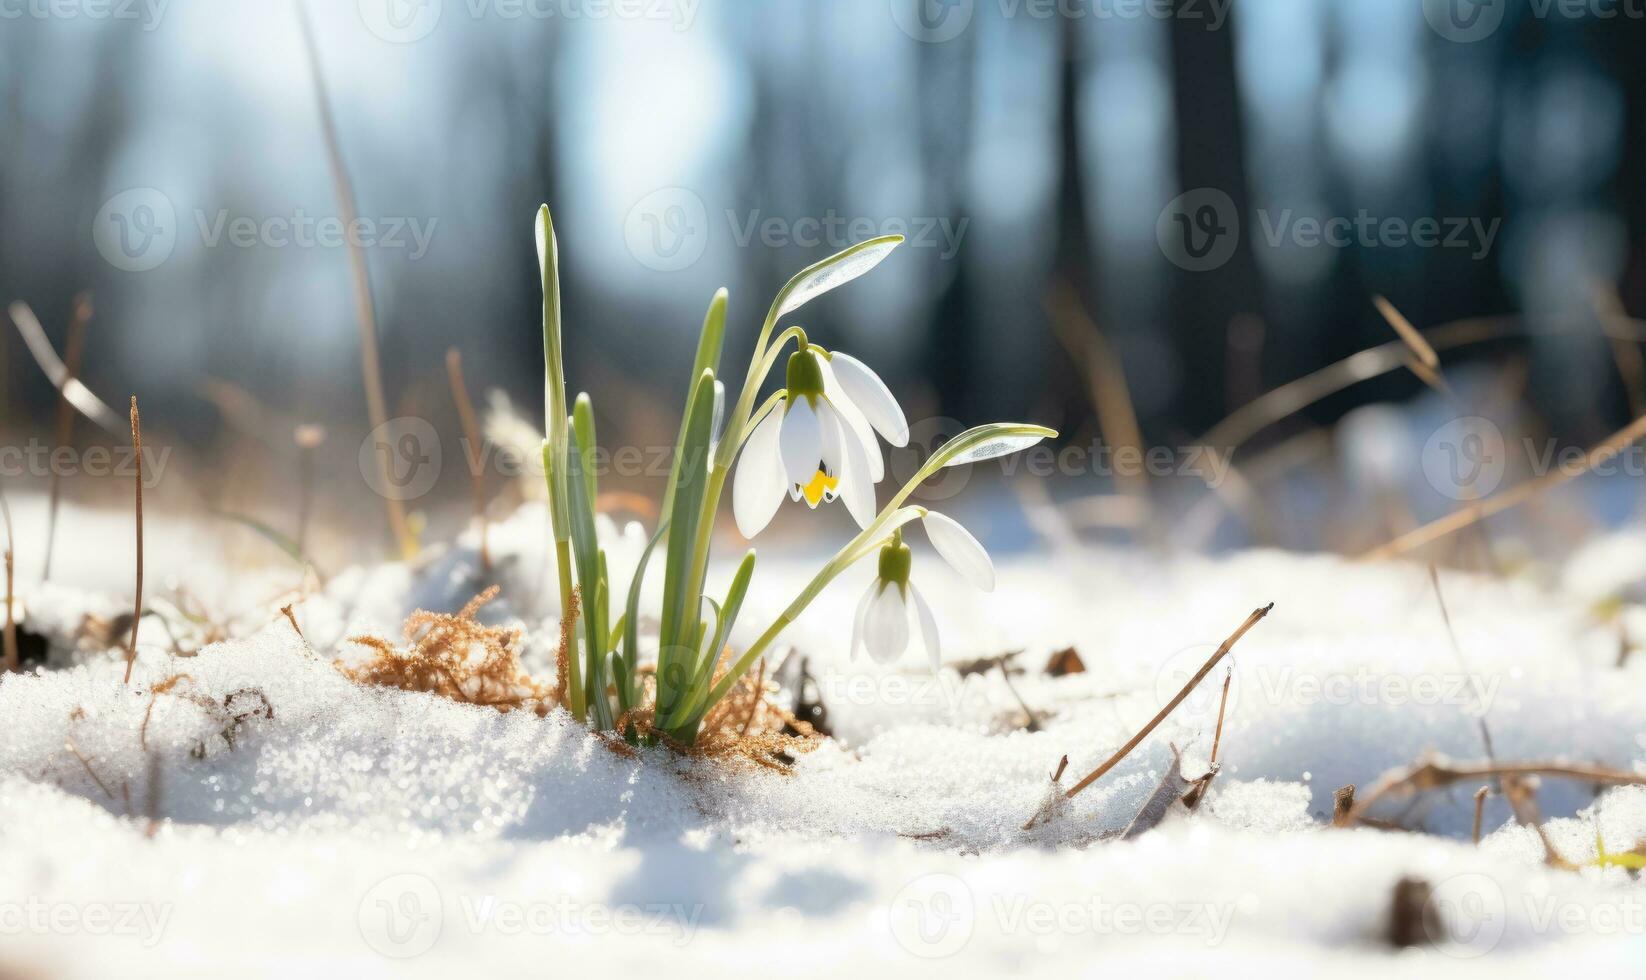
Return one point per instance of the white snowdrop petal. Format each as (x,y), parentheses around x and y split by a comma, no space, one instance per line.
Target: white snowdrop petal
(872,397)
(962,551)
(886,628)
(855,420)
(757,488)
(801,441)
(860,616)
(851,466)
(928,628)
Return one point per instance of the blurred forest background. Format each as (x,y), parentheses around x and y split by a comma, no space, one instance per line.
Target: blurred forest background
(1028,148)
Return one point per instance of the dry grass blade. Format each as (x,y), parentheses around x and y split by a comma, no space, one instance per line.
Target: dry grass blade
(12,661)
(1408,333)
(137,613)
(1480,811)
(1105,383)
(1143,733)
(1462,662)
(371,371)
(1631,367)
(1437,773)
(77,394)
(1512,497)
(471,434)
(73,351)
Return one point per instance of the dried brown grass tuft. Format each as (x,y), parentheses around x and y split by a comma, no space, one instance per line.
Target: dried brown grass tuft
(746,727)
(457,658)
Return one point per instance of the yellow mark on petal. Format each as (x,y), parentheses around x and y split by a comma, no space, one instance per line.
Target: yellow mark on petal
(822,485)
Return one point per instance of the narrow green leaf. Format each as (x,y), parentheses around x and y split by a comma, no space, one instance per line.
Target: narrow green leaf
(586,551)
(554,372)
(679,607)
(710,340)
(989,441)
(630,622)
(836,270)
(695,704)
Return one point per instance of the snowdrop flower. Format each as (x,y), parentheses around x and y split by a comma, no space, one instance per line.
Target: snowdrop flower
(881,624)
(819,443)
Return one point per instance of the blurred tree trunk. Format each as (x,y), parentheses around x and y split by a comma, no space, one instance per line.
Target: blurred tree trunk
(1210,153)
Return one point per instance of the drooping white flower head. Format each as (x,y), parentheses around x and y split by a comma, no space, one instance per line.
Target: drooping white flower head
(881,623)
(815,445)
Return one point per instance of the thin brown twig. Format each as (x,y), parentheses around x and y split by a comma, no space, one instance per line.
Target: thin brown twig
(1143,733)
(74,349)
(371,371)
(137,612)
(1106,384)
(1480,810)
(308,438)
(1631,367)
(68,743)
(1434,774)
(1408,333)
(12,661)
(1222,706)
(471,433)
(1512,497)
(1457,652)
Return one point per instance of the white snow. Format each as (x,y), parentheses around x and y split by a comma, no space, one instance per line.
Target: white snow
(376,832)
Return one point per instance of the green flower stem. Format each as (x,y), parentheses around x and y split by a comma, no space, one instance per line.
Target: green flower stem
(855,550)
(739,425)
(890,519)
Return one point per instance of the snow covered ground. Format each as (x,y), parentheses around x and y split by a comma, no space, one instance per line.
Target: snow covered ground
(380,832)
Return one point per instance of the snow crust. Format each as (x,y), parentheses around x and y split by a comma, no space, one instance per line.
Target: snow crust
(376,832)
